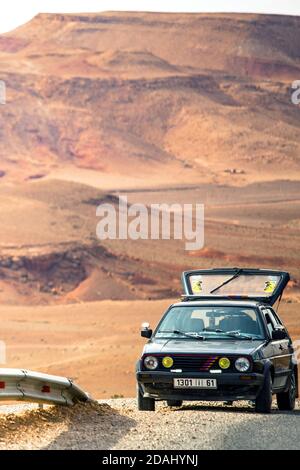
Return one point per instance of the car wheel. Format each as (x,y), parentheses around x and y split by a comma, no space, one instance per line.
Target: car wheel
(263,402)
(174,402)
(286,401)
(144,404)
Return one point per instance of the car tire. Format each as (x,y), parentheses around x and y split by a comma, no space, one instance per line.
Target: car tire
(174,402)
(263,402)
(144,404)
(286,400)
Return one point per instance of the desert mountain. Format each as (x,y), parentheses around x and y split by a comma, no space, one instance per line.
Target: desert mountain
(151,101)
(145,99)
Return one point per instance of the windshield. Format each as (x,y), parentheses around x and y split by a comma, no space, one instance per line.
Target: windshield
(211,323)
(237,283)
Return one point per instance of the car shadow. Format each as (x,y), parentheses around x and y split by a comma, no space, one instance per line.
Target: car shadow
(246,409)
(221,408)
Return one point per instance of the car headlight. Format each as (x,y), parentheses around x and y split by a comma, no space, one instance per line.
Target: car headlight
(242,364)
(151,362)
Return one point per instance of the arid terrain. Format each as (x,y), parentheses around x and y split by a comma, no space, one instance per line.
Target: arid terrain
(122,98)
(163,109)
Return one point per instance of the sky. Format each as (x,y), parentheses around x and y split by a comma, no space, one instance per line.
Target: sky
(16,12)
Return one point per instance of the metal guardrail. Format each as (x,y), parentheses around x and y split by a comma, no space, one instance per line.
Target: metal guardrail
(25,385)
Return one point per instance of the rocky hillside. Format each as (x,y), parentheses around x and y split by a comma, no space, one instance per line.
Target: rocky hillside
(178,97)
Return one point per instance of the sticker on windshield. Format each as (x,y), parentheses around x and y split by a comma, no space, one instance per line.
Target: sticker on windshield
(270,286)
(197,286)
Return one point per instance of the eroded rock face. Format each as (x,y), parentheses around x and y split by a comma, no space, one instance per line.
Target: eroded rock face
(54,273)
(68,274)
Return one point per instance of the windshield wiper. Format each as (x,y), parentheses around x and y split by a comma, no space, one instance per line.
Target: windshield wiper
(236,274)
(237,334)
(177,332)
(233,334)
(213,330)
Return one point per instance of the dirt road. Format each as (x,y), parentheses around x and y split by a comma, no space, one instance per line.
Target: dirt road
(116,424)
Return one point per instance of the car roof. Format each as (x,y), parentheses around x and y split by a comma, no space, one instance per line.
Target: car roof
(218,303)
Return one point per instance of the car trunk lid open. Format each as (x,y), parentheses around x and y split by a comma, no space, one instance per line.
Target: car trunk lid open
(261,285)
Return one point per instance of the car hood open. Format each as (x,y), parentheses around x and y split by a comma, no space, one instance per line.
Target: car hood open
(261,285)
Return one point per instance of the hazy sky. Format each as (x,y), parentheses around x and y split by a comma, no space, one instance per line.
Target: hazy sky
(16,12)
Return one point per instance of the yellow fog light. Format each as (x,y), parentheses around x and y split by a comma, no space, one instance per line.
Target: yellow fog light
(224,363)
(167,362)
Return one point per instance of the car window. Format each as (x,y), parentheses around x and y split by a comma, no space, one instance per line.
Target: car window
(277,318)
(271,320)
(212,321)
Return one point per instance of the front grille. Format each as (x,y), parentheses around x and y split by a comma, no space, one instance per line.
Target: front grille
(201,363)
(195,362)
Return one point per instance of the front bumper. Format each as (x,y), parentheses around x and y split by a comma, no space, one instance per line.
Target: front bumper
(231,386)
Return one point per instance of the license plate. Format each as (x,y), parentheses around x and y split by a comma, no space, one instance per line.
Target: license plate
(195,383)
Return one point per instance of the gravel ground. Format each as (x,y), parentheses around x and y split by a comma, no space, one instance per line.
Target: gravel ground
(116,424)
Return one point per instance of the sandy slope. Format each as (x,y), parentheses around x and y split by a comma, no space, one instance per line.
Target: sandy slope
(97,344)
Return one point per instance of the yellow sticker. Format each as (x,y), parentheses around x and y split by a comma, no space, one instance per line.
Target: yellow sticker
(197,286)
(270,286)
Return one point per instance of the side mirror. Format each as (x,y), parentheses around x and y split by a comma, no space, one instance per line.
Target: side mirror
(279,334)
(146,332)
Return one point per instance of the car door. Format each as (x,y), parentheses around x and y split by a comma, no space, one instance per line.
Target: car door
(281,349)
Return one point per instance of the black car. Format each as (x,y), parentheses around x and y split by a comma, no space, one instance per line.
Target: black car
(223,342)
